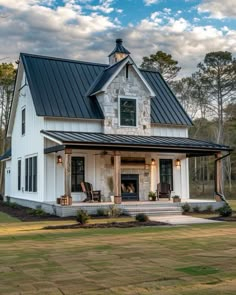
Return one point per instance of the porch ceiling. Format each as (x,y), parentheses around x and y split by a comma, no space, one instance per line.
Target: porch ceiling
(86,140)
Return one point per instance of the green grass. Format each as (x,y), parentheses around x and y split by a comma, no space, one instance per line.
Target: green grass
(156,260)
(5,218)
(232,204)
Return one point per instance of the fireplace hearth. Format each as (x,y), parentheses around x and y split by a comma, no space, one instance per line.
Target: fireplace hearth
(130,187)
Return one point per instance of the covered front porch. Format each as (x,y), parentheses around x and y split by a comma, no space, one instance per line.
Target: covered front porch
(120,165)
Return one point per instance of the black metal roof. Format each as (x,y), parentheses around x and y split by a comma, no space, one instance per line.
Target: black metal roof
(61,87)
(119,48)
(6,155)
(110,141)
(105,76)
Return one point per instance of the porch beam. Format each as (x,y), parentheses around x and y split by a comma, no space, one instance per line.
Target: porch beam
(117,174)
(67,174)
(54,149)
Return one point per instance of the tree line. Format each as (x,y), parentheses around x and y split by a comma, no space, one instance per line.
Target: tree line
(209,97)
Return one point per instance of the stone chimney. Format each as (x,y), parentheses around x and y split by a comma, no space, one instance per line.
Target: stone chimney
(118,53)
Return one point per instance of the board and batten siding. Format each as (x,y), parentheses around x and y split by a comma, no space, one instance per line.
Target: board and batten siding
(171,131)
(28,145)
(76,125)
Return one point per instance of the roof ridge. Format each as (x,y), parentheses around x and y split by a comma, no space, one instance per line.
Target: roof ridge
(63,59)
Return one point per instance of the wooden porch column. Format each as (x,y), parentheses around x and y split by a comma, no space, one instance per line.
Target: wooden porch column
(67,172)
(218,177)
(117,172)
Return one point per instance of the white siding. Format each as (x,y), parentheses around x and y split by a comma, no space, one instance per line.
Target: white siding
(169,131)
(30,144)
(78,125)
(8,178)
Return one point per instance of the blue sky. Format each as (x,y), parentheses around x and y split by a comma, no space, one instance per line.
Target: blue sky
(87,29)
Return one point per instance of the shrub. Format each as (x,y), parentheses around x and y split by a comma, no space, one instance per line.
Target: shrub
(186,208)
(102,212)
(152,196)
(37,212)
(141,217)
(196,209)
(114,211)
(82,216)
(225,211)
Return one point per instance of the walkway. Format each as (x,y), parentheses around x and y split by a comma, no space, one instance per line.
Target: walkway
(181,219)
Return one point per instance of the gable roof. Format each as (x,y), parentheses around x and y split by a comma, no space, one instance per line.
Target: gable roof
(111,72)
(6,156)
(60,88)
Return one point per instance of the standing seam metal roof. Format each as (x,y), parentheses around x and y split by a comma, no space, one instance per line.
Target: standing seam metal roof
(117,139)
(60,88)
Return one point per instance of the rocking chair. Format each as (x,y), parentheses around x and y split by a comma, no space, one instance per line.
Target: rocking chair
(163,190)
(92,195)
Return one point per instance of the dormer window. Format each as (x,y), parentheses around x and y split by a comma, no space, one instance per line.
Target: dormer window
(23,121)
(128,111)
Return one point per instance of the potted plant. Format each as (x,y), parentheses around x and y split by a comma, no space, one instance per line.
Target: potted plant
(176,199)
(152,196)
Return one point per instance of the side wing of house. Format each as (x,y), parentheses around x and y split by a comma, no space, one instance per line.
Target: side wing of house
(27,158)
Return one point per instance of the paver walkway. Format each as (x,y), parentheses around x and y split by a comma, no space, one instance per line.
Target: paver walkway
(181,219)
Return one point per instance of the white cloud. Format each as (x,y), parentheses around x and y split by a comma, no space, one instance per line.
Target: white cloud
(66,31)
(150,2)
(105,6)
(218,9)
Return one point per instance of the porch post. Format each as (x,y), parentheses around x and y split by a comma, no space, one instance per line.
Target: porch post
(67,172)
(218,176)
(117,177)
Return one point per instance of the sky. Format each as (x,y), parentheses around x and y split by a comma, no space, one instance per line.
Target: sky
(87,29)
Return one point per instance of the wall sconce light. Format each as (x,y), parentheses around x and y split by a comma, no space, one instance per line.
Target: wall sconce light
(153,161)
(59,159)
(177,163)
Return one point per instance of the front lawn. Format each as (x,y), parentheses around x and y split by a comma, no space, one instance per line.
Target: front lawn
(192,260)
(5,218)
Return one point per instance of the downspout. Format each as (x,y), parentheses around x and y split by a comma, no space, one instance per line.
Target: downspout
(215,168)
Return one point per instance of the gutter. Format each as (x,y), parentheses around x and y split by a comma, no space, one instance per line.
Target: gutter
(216,192)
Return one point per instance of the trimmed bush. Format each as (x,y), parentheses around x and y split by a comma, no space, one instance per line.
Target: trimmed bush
(37,212)
(186,208)
(141,217)
(82,216)
(102,212)
(114,211)
(225,211)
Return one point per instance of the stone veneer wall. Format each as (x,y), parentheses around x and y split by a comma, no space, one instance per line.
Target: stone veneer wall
(131,87)
(107,170)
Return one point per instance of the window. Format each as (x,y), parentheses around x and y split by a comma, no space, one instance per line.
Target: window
(166,171)
(77,173)
(128,116)
(31,174)
(19,175)
(23,122)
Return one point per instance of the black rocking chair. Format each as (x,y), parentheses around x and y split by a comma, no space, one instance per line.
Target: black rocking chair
(92,195)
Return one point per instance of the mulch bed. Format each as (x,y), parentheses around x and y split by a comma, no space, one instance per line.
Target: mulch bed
(22,213)
(107,225)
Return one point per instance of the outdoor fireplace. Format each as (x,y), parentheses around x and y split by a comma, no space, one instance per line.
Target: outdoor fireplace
(130,187)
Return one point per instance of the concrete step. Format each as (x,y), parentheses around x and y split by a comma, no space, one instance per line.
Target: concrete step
(153,211)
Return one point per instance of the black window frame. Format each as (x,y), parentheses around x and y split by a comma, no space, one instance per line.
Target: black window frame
(77,176)
(23,120)
(31,174)
(164,176)
(121,120)
(19,174)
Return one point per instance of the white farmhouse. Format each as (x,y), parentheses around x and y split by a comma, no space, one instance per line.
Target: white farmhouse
(111,125)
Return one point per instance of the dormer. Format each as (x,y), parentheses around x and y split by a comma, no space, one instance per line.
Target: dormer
(118,53)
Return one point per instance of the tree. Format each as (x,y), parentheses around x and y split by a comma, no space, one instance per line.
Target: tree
(7,78)
(218,75)
(163,63)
